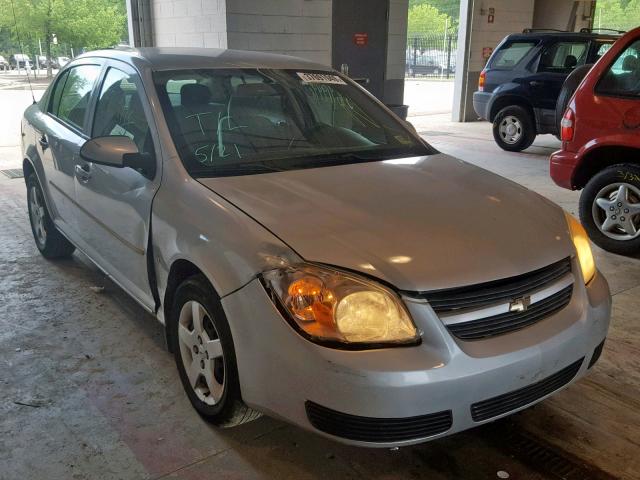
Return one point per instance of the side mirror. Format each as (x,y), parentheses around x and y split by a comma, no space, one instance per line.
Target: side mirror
(110,151)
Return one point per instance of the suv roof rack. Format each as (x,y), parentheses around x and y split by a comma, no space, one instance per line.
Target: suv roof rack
(531,30)
(591,30)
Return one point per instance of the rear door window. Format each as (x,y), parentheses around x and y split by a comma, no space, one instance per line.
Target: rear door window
(76,93)
(563,57)
(622,78)
(511,54)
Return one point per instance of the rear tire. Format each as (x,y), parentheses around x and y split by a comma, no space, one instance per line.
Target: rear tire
(205,356)
(51,243)
(610,229)
(514,128)
(569,87)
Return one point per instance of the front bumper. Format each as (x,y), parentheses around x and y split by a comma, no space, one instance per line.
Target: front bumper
(562,164)
(440,384)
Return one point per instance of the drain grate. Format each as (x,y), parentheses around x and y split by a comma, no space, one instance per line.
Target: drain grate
(13,173)
(541,456)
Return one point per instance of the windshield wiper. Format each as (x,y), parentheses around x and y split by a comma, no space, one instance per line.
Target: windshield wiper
(238,169)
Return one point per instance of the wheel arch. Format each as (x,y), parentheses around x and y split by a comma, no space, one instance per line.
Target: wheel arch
(600,158)
(507,101)
(181,269)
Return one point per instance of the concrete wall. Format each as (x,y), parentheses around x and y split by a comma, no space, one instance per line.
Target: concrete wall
(510,17)
(396,48)
(562,15)
(293,27)
(189,23)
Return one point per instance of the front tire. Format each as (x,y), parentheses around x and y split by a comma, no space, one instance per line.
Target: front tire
(514,128)
(610,209)
(205,354)
(51,243)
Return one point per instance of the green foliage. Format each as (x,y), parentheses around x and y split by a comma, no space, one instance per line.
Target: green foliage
(85,24)
(425,18)
(618,14)
(448,7)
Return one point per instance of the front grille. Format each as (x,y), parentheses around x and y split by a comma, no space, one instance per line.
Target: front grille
(511,321)
(450,300)
(379,430)
(507,402)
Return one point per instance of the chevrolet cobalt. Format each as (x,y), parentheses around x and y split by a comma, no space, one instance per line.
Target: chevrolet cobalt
(308,254)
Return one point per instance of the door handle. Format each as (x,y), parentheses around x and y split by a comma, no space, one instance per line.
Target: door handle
(536,83)
(83,172)
(43,142)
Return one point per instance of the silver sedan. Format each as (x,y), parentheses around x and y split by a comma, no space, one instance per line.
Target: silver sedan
(309,255)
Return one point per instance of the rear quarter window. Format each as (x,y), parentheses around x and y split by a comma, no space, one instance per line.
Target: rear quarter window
(511,54)
(622,77)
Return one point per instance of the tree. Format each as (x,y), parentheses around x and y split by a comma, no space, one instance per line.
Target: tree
(448,7)
(619,14)
(83,23)
(426,18)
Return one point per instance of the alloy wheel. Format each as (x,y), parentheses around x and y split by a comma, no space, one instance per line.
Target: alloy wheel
(201,352)
(616,211)
(37,215)
(510,129)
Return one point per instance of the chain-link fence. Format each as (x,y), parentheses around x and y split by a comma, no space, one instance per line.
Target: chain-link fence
(431,55)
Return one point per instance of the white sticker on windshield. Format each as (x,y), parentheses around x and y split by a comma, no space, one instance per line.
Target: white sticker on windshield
(320,78)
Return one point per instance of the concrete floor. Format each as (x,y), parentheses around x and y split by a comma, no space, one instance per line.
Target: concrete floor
(87,390)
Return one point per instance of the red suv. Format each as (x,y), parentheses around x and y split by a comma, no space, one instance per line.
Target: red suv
(600,132)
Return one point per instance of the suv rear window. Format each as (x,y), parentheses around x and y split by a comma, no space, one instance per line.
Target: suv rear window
(511,54)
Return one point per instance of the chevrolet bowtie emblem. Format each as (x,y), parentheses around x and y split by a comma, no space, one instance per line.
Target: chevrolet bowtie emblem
(520,304)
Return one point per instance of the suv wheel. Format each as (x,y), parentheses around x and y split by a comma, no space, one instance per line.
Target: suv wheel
(514,128)
(610,209)
(205,355)
(50,242)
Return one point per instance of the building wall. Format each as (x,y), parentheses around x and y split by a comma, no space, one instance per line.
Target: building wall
(189,23)
(396,48)
(294,27)
(510,17)
(560,15)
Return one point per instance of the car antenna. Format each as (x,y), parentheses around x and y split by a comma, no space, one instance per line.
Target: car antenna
(26,69)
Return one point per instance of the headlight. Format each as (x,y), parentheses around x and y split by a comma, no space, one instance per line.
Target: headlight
(332,306)
(583,247)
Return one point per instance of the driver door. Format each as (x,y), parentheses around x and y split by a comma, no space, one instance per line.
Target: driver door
(116,202)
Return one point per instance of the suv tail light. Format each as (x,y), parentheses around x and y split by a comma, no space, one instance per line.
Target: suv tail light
(481,80)
(567,125)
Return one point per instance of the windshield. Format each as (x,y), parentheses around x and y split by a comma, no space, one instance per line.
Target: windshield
(245,121)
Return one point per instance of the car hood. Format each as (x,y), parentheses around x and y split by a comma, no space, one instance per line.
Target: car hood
(418,223)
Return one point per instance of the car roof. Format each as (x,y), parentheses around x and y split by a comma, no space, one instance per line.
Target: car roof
(172,58)
(571,35)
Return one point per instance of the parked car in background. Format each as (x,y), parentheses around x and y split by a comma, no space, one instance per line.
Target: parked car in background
(519,87)
(4,65)
(287,230)
(62,61)
(600,154)
(20,61)
(423,64)
(42,62)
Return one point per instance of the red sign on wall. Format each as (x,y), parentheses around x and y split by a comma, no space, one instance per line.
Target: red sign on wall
(361,39)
